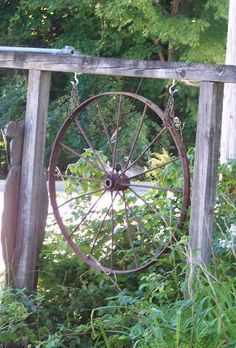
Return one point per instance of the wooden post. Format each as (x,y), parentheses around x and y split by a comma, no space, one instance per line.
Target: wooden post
(205,172)
(14,133)
(32,173)
(228,138)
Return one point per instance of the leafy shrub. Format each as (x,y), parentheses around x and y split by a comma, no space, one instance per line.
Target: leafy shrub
(3,155)
(80,307)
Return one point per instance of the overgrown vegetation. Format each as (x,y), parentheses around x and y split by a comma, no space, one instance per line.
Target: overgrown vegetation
(79,307)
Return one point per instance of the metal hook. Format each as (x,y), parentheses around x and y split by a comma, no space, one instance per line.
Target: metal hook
(172,89)
(76,78)
(75,83)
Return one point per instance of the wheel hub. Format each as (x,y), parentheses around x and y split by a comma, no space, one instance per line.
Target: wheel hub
(116,182)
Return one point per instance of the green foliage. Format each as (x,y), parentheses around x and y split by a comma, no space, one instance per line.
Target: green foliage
(85,170)
(16,309)
(12,98)
(221,8)
(3,155)
(80,307)
(169,175)
(142,29)
(12,107)
(153,27)
(139,231)
(116,28)
(225,225)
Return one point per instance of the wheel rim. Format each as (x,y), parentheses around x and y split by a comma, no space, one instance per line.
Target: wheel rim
(116,236)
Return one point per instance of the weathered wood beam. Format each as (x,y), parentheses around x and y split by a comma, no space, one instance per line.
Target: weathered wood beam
(31,211)
(205,171)
(75,62)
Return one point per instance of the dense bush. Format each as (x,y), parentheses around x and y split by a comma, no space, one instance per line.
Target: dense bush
(79,307)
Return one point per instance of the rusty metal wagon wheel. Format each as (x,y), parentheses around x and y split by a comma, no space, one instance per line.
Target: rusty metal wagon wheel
(117,210)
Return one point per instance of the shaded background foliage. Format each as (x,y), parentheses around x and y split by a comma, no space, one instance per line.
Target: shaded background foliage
(158,30)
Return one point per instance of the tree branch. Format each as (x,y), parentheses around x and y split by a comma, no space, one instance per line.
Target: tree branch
(174,12)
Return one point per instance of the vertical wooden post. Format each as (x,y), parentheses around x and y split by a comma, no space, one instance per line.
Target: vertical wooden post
(205,171)
(228,137)
(32,172)
(14,133)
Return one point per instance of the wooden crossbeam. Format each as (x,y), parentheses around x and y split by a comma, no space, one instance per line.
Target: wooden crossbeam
(69,60)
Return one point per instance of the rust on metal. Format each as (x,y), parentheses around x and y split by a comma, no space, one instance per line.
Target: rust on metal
(121,232)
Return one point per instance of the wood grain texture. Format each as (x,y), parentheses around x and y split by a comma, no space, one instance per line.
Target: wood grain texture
(205,170)
(117,67)
(9,222)
(31,202)
(14,133)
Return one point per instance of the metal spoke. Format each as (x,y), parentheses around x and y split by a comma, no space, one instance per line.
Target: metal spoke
(101,226)
(159,250)
(162,189)
(144,151)
(104,127)
(90,144)
(68,148)
(80,178)
(112,228)
(115,134)
(129,231)
(136,136)
(138,221)
(156,167)
(149,205)
(78,197)
(88,212)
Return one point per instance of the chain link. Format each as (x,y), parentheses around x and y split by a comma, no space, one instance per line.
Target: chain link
(74,95)
(170,112)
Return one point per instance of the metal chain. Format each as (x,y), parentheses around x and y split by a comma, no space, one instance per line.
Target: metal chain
(74,95)
(169,111)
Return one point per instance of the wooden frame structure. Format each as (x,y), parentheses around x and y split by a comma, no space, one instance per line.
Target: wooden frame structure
(40,63)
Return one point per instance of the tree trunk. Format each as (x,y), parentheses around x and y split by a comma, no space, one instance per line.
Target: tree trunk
(174,12)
